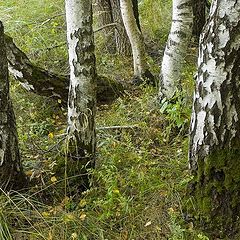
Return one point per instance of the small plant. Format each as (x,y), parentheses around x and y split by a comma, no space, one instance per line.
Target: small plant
(177,112)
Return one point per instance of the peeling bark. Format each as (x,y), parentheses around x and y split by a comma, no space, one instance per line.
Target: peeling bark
(11,172)
(45,83)
(176,47)
(141,70)
(215,125)
(82,90)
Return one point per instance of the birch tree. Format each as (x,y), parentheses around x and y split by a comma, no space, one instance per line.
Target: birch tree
(11,172)
(215,125)
(141,70)
(175,51)
(82,90)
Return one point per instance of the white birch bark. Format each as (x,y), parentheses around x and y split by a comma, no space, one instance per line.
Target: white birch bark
(216,114)
(175,51)
(82,90)
(214,152)
(136,39)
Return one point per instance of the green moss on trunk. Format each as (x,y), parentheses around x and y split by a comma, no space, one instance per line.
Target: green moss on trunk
(216,192)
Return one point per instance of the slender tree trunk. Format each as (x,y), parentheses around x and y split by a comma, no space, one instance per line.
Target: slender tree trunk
(215,125)
(82,90)
(141,70)
(105,18)
(11,172)
(176,47)
(123,45)
(199,18)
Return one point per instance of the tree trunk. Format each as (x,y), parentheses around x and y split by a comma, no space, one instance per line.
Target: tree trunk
(11,172)
(176,47)
(123,46)
(45,83)
(215,126)
(199,18)
(141,70)
(104,18)
(82,90)
(136,13)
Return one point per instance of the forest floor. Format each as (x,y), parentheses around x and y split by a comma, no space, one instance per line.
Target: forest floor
(139,184)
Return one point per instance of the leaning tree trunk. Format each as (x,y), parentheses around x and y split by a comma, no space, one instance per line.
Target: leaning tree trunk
(199,18)
(11,172)
(176,47)
(123,45)
(141,70)
(215,125)
(45,83)
(82,90)
(105,24)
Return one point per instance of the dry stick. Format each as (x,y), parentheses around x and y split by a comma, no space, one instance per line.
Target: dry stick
(117,127)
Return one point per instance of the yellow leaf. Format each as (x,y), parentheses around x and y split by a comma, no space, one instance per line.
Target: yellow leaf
(50,236)
(68,217)
(45,214)
(59,101)
(74,235)
(83,216)
(29,173)
(53,179)
(116,191)
(51,135)
(82,203)
(171,210)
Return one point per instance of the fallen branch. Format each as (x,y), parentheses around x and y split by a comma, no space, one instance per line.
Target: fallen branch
(117,127)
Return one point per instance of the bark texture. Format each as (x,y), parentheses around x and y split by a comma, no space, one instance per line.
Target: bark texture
(199,18)
(136,13)
(215,126)
(104,18)
(123,45)
(11,172)
(82,90)
(141,70)
(176,48)
(43,82)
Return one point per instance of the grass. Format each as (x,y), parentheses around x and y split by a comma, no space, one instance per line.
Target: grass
(141,175)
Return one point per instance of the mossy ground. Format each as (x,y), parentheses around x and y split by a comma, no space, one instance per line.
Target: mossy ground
(142,169)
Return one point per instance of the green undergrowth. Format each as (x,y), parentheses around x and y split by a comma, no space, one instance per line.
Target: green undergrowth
(141,169)
(136,189)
